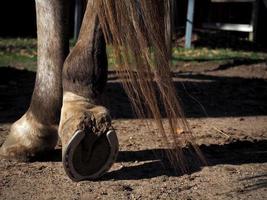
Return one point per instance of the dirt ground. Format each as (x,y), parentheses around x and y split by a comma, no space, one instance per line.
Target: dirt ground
(226,105)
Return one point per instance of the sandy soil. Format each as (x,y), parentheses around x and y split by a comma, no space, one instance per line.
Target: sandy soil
(226,105)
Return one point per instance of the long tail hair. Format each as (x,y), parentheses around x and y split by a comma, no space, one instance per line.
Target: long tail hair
(140,33)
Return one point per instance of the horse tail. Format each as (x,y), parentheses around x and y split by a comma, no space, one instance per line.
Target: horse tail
(140,34)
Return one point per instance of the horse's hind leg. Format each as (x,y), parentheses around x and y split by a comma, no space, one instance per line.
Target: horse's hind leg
(89,143)
(36,131)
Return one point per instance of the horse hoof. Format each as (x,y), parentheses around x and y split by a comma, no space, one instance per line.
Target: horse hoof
(87,157)
(27,139)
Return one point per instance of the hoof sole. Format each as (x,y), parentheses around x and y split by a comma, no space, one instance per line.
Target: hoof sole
(73,148)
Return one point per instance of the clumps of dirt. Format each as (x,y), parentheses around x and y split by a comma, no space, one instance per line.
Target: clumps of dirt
(231,131)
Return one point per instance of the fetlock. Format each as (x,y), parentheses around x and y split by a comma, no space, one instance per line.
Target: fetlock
(27,138)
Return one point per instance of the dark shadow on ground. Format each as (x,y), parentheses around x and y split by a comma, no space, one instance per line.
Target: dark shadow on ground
(201,95)
(16,88)
(219,96)
(256,182)
(237,62)
(232,61)
(154,162)
(236,153)
(222,96)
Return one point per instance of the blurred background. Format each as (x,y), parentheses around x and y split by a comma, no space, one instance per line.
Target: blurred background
(19,20)
(221,30)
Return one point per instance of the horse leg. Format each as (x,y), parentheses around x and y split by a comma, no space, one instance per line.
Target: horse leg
(89,143)
(36,130)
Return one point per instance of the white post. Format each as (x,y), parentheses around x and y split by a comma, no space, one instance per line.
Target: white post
(189,23)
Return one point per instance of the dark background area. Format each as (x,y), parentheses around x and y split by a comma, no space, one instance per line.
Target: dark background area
(20,20)
(232,13)
(17,18)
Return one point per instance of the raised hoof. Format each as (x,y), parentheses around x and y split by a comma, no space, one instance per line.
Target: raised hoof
(86,157)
